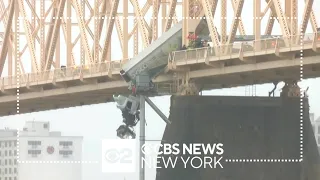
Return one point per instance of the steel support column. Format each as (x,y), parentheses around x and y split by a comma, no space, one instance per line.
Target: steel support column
(257,23)
(157,110)
(185,20)
(142,137)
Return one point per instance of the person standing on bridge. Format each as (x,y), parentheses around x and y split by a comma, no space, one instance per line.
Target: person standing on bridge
(184,47)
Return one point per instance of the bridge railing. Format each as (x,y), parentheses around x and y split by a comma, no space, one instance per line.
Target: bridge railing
(250,48)
(62,74)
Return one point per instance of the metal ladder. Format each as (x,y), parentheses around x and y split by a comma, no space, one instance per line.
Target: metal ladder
(251,90)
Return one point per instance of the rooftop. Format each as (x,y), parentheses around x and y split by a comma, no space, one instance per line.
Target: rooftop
(32,129)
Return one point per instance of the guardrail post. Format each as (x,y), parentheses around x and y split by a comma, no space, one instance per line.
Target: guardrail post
(206,53)
(109,69)
(80,73)
(174,65)
(241,52)
(314,42)
(2,83)
(277,47)
(197,55)
(28,78)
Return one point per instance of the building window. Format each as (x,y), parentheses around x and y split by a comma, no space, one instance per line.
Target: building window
(5,153)
(15,161)
(65,143)
(34,143)
(15,152)
(34,153)
(15,170)
(318,139)
(65,153)
(45,126)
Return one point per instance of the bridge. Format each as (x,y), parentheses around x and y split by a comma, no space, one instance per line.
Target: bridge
(30,37)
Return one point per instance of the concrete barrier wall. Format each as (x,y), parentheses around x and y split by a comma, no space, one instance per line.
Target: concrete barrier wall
(249,128)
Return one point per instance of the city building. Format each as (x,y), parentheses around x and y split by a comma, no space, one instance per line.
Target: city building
(316,128)
(42,154)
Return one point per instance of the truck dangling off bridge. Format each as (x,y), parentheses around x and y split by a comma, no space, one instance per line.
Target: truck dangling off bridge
(139,71)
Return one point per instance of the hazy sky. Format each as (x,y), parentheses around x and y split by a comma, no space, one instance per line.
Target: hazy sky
(97,122)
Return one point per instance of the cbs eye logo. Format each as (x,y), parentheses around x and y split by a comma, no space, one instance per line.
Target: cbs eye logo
(118,156)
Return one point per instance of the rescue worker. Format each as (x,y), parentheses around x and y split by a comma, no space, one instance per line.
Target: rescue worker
(294,90)
(275,87)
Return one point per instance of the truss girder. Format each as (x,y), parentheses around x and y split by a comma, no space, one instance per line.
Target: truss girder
(241,27)
(118,28)
(313,21)
(306,16)
(136,24)
(55,34)
(43,31)
(65,34)
(154,21)
(5,43)
(141,22)
(29,36)
(235,22)
(82,27)
(223,21)
(172,8)
(282,20)
(209,17)
(272,17)
(114,8)
(294,17)
(102,17)
(96,48)
(270,23)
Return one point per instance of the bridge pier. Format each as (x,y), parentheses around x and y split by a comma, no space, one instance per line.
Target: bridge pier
(251,128)
(186,87)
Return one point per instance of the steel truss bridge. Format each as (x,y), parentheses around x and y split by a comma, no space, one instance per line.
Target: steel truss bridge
(42,34)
